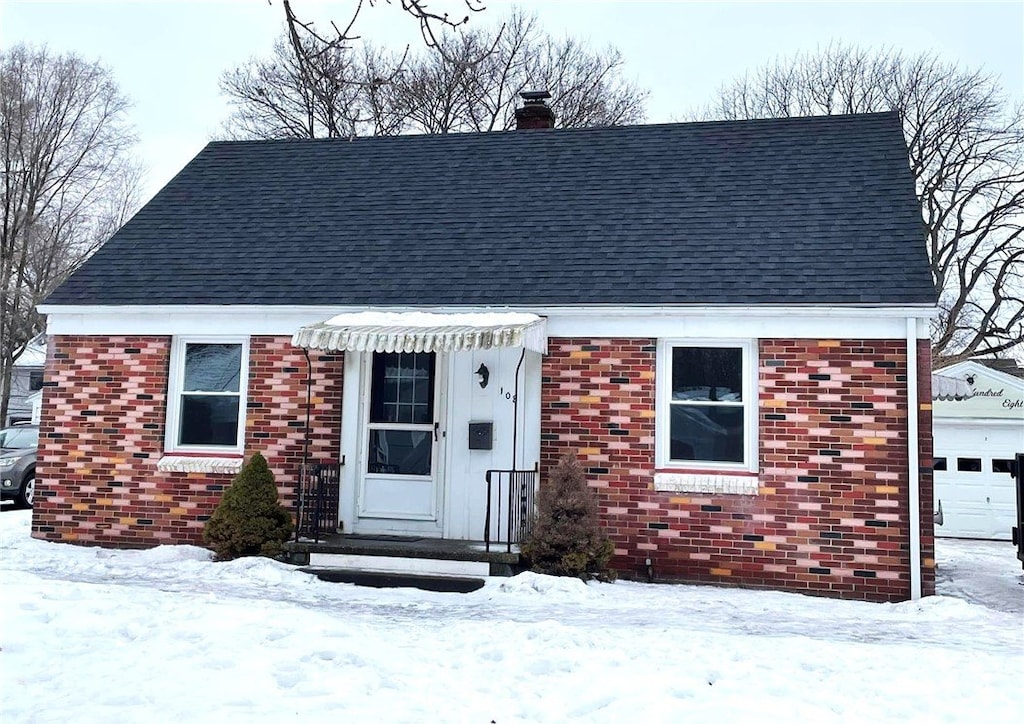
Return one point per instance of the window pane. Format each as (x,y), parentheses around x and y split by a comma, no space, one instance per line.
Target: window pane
(707,373)
(402,388)
(1003,466)
(35,380)
(400,452)
(208,420)
(17,438)
(968,465)
(212,367)
(939,464)
(706,432)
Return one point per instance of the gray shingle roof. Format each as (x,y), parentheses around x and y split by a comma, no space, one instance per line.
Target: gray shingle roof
(792,211)
(1006,366)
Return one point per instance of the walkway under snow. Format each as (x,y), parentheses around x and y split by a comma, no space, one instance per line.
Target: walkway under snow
(94,635)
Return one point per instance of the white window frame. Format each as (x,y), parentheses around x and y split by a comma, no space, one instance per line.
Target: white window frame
(663,386)
(175,390)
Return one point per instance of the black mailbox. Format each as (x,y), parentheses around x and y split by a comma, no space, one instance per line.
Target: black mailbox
(481,435)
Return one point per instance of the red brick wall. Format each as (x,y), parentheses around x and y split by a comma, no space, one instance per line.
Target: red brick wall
(276,415)
(831,513)
(825,523)
(102,435)
(924,423)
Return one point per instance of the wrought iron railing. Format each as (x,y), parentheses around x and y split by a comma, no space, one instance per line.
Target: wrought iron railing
(318,500)
(509,506)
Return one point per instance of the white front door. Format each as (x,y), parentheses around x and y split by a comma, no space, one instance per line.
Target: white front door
(399,476)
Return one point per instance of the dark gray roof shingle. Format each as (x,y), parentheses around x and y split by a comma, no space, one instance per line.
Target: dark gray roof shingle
(791,211)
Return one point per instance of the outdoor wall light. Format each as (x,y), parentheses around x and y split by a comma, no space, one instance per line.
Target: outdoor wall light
(483,374)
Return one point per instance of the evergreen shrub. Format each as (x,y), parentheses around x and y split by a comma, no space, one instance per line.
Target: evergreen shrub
(249,520)
(566,538)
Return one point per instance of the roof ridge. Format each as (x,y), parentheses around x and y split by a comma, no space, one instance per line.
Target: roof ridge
(634,127)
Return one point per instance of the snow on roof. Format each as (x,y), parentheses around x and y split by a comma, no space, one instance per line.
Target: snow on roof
(34,354)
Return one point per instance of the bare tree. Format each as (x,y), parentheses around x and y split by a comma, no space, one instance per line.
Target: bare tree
(474,84)
(68,182)
(471,83)
(279,96)
(315,84)
(967,153)
(431,24)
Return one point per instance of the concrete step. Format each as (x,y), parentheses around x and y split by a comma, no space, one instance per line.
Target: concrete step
(393,579)
(404,556)
(415,566)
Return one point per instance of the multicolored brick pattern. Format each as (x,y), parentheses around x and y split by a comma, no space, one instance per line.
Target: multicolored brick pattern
(276,414)
(830,516)
(831,513)
(925,450)
(102,435)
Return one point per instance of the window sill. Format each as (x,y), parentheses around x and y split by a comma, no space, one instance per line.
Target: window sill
(713,483)
(186,464)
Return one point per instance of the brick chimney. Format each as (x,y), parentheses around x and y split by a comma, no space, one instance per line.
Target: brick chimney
(535,113)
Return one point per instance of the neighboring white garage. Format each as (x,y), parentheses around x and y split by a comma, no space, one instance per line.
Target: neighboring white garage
(975,442)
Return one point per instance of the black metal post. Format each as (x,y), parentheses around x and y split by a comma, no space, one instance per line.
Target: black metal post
(487,515)
(511,510)
(1018,530)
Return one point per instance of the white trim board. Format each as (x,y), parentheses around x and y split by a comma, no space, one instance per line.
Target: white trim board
(176,390)
(592,321)
(663,404)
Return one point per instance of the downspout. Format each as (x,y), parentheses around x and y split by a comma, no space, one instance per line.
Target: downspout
(300,501)
(515,410)
(914,461)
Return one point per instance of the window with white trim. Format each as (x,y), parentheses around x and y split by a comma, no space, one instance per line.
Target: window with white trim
(707,405)
(206,396)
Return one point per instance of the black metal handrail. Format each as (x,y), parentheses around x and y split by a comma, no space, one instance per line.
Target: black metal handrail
(318,500)
(509,502)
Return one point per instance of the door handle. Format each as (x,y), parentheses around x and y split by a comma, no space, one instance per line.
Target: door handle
(436,425)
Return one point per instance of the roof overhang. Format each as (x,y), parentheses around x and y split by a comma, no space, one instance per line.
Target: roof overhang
(424,332)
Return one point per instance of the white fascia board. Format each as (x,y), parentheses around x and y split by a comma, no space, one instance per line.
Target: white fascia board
(752,321)
(795,324)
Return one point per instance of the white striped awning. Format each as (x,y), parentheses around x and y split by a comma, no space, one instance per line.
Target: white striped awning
(950,388)
(424,332)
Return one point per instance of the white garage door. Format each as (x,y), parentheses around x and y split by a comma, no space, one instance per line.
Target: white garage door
(973,480)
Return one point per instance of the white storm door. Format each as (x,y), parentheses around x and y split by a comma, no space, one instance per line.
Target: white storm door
(400,468)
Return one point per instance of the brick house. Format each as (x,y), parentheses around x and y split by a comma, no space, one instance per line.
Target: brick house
(726,322)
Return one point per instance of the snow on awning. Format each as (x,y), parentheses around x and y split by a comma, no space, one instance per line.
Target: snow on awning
(424,332)
(950,388)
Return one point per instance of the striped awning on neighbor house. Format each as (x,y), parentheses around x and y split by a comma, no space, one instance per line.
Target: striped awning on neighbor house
(424,332)
(950,388)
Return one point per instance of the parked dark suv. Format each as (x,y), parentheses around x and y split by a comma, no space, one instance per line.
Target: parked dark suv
(18,447)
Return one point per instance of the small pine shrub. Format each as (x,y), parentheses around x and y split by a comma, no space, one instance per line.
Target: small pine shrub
(566,538)
(249,520)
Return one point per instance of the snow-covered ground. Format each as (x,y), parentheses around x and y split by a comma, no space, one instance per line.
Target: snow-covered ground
(94,635)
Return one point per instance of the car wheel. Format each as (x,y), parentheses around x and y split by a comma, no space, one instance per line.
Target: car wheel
(27,492)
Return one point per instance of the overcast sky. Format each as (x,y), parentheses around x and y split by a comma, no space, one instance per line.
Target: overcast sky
(168,56)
